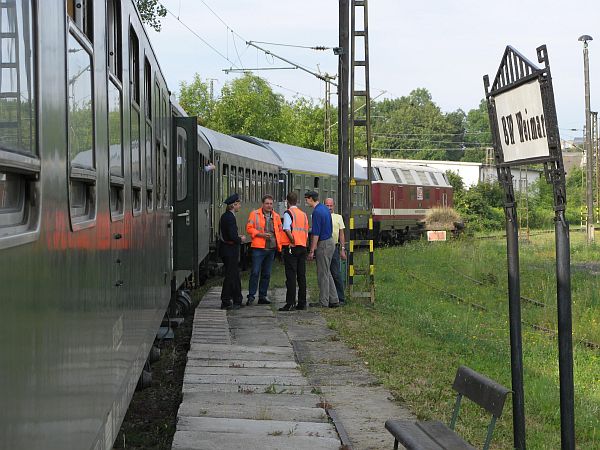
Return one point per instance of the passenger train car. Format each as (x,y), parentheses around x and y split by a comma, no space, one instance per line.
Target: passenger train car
(85,220)
(108,205)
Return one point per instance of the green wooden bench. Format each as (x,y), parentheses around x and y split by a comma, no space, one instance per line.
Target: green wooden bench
(434,435)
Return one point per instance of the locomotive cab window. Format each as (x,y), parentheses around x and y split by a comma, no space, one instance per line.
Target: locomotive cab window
(19,161)
(80,123)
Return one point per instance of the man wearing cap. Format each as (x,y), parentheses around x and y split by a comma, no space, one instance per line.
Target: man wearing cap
(340,251)
(295,240)
(229,249)
(322,246)
(264,227)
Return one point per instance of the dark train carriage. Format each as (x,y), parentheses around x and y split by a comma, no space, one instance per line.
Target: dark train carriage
(402,194)
(85,256)
(250,170)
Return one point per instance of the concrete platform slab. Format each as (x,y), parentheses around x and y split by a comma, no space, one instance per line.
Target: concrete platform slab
(249,389)
(189,440)
(256,427)
(244,349)
(241,363)
(258,371)
(245,379)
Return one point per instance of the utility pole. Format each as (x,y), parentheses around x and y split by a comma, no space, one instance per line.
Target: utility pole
(597,156)
(343,52)
(588,143)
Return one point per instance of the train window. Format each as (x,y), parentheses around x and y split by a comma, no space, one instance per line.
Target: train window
(159,180)
(165,175)
(17,86)
(397,176)
(147,89)
(181,164)
(13,207)
(408,176)
(116,201)
(247,189)
(240,182)
(316,183)
(422,179)
(156,105)
(114,38)
(266,187)
(427,194)
(259,190)
(136,162)
(434,180)
(134,65)
(232,180)
(253,186)
(165,122)
(149,171)
(80,133)
(224,182)
(80,12)
(376,174)
(115,130)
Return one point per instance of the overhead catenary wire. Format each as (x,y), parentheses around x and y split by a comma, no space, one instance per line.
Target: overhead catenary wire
(234,64)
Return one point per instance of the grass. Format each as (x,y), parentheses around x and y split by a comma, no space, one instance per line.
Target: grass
(416,335)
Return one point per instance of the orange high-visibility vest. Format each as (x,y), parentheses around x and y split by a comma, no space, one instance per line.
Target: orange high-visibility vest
(256,224)
(299,228)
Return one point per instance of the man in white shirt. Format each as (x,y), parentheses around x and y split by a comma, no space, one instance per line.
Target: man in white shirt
(340,251)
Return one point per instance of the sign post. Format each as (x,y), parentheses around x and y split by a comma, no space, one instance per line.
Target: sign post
(525,130)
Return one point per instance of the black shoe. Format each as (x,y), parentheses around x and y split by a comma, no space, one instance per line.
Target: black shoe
(332,305)
(301,307)
(226,306)
(237,306)
(287,308)
(250,302)
(316,305)
(263,301)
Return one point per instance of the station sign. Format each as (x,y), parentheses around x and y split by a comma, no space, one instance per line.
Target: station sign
(521,123)
(522,111)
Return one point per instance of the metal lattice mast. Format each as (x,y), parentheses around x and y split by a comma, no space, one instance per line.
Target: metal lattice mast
(360,146)
(327,124)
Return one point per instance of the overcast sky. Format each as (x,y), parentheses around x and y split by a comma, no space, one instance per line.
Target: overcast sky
(443,46)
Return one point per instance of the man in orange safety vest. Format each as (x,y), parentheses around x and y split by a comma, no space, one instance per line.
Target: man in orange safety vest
(295,239)
(264,227)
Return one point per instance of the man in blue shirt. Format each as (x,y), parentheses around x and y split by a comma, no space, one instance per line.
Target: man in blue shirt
(322,248)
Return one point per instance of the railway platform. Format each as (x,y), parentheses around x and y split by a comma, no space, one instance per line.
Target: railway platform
(260,379)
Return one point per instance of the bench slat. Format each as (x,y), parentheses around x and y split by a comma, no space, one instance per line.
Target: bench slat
(485,392)
(444,436)
(410,435)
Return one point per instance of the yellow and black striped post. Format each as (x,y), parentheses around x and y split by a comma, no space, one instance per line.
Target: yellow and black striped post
(357,244)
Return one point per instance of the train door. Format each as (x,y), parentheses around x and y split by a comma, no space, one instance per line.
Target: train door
(185,194)
(205,171)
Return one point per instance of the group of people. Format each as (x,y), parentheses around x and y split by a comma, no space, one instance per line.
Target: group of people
(290,236)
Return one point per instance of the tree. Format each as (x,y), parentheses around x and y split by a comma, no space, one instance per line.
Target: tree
(414,127)
(151,11)
(195,99)
(249,106)
(478,136)
(302,123)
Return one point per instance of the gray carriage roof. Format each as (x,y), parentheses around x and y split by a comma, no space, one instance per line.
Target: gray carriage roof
(225,143)
(304,159)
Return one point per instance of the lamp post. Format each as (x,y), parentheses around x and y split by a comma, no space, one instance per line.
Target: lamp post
(588,142)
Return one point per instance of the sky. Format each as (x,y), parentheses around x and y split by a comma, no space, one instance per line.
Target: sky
(443,46)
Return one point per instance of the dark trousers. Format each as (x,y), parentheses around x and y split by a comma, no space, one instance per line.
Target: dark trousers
(295,270)
(335,273)
(232,285)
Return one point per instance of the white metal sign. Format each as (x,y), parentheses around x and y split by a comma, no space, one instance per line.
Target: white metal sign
(419,193)
(521,123)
